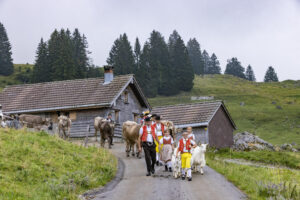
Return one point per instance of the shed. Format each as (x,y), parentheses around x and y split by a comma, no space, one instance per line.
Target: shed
(81,99)
(211,121)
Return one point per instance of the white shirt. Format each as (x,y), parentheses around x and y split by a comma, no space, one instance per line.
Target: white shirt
(184,145)
(158,129)
(161,141)
(192,136)
(149,135)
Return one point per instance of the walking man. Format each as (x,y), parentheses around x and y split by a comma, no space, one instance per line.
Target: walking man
(147,138)
(110,120)
(159,129)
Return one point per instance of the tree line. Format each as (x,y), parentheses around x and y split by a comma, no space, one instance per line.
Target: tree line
(161,67)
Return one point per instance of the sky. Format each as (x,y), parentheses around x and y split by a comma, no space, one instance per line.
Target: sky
(261,33)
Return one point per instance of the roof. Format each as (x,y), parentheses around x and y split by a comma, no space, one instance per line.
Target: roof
(67,95)
(195,114)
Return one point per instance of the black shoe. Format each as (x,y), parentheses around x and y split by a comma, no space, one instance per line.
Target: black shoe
(166,168)
(148,174)
(183,177)
(190,179)
(152,171)
(170,169)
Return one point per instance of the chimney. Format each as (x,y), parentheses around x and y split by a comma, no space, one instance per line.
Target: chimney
(108,74)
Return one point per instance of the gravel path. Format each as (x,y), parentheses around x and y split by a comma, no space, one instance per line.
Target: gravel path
(162,186)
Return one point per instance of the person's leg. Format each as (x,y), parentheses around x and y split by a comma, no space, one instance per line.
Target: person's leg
(169,166)
(188,166)
(147,158)
(153,158)
(183,165)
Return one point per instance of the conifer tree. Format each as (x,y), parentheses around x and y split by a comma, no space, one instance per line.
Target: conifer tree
(235,68)
(195,55)
(250,74)
(271,75)
(137,53)
(180,63)
(214,65)
(6,62)
(206,61)
(41,69)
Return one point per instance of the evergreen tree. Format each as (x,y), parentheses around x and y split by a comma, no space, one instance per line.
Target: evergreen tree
(137,53)
(6,62)
(206,61)
(250,74)
(180,63)
(80,54)
(235,68)
(271,75)
(196,59)
(121,56)
(214,65)
(41,68)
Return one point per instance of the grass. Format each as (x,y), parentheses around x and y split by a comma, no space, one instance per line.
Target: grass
(258,182)
(22,73)
(271,110)
(40,166)
(287,159)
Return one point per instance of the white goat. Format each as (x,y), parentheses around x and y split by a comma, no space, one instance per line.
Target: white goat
(198,158)
(176,164)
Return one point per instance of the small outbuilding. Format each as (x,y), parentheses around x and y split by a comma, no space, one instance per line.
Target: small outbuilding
(211,121)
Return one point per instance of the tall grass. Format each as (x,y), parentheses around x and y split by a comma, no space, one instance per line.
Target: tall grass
(40,166)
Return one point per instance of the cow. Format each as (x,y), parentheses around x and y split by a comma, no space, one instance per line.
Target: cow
(106,129)
(198,158)
(64,126)
(176,164)
(33,121)
(170,126)
(130,131)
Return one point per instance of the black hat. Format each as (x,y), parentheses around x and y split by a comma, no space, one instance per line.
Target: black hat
(147,119)
(157,117)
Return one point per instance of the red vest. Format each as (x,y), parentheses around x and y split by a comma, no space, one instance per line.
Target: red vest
(162,128)
(187,145)
(169,141)
(145,133)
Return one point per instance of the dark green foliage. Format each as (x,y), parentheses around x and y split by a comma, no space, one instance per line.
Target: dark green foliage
(250,74)
(271,75)
(206,61)
(195,56)
(121,56)
(235,68)
(137,54)
(6,64)
(63,57)
(94,71)
(214,65)
(180,62)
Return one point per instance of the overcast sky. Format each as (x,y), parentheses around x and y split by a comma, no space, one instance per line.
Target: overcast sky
(257,32)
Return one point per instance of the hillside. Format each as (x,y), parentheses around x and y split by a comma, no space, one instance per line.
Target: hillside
(21,75)
(270,110)
(40,166)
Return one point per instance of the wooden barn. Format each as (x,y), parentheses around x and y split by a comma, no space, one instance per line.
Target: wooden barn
(81,99)
(211,121)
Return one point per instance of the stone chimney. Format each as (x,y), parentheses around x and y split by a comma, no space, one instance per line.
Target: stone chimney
(108,74)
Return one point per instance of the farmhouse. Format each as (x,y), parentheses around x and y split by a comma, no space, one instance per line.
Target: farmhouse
(81,99)
(211,121)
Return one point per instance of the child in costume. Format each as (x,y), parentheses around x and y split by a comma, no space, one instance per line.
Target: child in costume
(167,150)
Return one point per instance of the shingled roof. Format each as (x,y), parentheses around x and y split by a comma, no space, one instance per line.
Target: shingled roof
(196,114)
(64,95)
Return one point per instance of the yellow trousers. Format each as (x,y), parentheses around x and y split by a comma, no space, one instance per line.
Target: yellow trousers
(186,160)
(158,145)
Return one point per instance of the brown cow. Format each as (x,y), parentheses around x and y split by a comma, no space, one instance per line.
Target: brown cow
(106,130)
(170,126)
(34,121)
(131,135)
(64,126)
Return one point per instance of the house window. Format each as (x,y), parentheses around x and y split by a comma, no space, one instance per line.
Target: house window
(125,97)
(117,116)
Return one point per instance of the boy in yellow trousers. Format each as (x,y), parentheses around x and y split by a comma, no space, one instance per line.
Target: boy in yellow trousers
(184,148)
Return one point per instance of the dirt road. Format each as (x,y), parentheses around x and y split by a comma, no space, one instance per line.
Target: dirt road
(162,186)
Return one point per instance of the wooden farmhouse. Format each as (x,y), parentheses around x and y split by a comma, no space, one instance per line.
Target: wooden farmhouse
(81,99)
(211,121)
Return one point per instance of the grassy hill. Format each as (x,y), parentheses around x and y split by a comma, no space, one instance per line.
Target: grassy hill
(40,166)
(21,75)
(270,110)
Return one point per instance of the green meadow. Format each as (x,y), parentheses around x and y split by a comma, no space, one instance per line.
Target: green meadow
(269,110)
(35,165)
